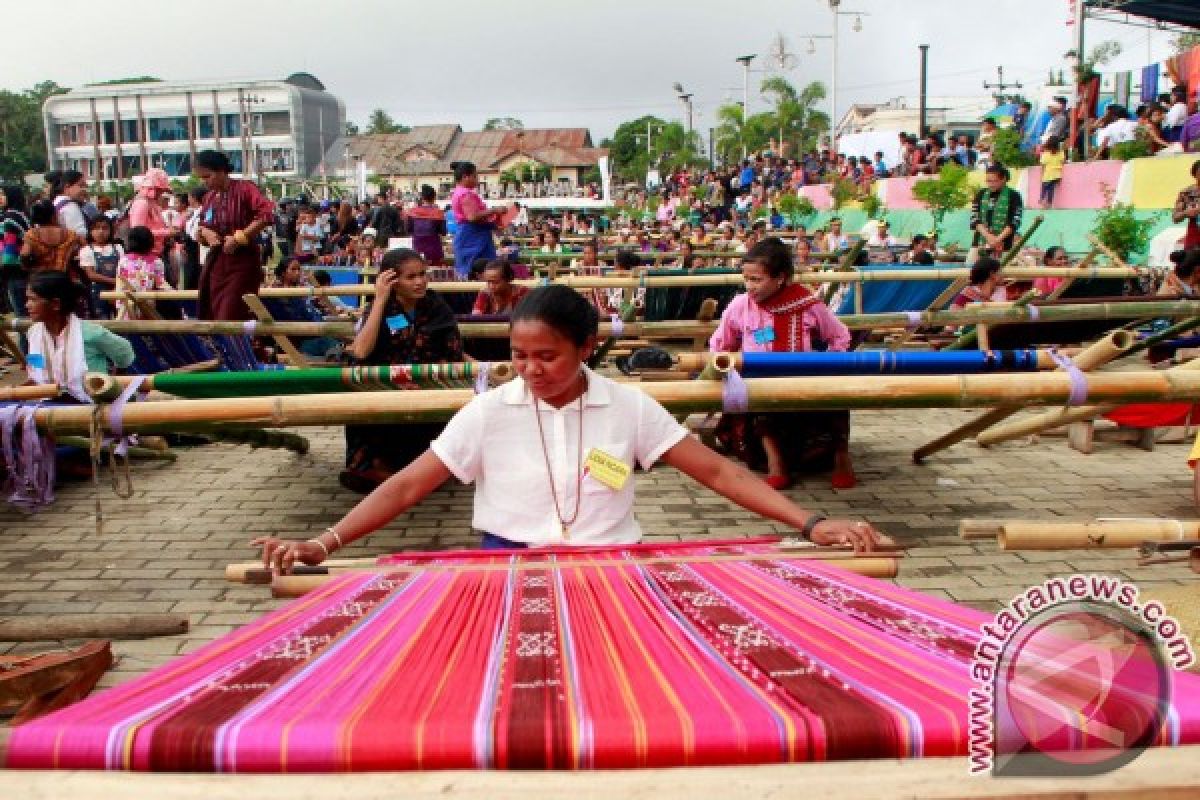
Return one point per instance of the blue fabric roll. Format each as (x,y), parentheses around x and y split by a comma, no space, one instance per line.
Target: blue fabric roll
(887,362)
(885,296)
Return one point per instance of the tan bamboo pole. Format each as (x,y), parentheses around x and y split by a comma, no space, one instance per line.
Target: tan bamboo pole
(764,394)
(1101,533)
(1112,346)
(22,394)
(667,281)
(1021,240)
(1048,420)
(299,585)
(1067,282)
(1108,251)
(973,529)
(260,312)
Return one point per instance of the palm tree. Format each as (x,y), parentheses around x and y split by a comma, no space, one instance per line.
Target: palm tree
(795,121)
(729,132)
(675,147)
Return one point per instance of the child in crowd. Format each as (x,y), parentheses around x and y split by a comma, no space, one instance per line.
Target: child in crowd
(776,315)
(1052,160)
(99,260)
(139,270)
(985,285)
(308,237)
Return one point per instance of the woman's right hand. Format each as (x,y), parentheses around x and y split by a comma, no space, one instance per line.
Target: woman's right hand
(282,554)
(383,287)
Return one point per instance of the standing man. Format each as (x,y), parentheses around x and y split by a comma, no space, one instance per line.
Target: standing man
(996,212)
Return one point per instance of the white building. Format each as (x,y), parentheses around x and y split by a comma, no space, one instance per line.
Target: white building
(944,114)
(278,128)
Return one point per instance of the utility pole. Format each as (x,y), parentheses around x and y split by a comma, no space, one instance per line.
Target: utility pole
(1000,85)
(922,125)
(745,62)
(1080,42)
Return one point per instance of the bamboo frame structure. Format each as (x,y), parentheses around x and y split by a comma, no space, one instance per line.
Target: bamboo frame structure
(1057,418)
(1101,352)
(687,397)
(1097,534)
(669,281)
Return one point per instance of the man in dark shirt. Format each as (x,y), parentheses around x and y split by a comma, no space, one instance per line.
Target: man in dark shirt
(386,221)
(996,212)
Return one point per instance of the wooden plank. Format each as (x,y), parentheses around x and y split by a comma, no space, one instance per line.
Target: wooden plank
(1158,774)
(52,627)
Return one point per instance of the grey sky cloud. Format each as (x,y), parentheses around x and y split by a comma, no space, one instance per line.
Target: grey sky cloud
(549,62)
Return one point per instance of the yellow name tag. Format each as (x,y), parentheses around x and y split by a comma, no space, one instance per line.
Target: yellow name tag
(612,472)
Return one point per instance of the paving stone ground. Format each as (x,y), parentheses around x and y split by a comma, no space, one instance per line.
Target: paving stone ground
(165,548)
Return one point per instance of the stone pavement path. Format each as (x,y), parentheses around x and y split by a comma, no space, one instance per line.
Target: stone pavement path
(165,548)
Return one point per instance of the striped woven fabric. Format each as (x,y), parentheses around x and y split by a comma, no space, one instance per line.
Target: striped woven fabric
(650,657)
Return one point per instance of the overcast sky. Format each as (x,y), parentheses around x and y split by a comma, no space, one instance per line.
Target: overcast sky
(550,63)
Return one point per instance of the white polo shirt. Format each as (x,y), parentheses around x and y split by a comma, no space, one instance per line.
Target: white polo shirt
(493,442)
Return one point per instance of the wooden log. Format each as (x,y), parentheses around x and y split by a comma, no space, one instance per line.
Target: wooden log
(41,628)
(300,585)
(1101,352)
(1101,533)
(976,529)
(686,397)
(1059,417)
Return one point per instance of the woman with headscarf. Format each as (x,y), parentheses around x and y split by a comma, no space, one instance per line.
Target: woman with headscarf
(473,237)
(233,214)
(146,209)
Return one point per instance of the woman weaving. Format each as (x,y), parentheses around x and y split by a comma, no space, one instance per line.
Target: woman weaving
(552,454)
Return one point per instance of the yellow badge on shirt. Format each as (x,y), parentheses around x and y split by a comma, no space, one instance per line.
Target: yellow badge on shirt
(612,472)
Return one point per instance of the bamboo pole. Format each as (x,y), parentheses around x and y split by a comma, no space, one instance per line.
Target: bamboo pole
(973,529)
(670,281)
(23,394)
(260,312)
(1056,418)
(1110,347)
(717,365)
(1101,533)
(764,394)
(970,339)
(690,329)
(1021,240)
(1108,251)
(299,585)
(1067,282)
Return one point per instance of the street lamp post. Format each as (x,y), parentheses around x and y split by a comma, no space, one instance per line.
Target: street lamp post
(834,6)
(745,62)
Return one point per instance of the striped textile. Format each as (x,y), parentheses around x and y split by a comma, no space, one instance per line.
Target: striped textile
(671,659)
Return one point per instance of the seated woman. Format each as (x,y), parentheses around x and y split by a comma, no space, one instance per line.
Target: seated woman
(406,323)
(1181,281)
(501,295)
(776,315)
(62,348)
(1055,257)
(552,454)
(985,284)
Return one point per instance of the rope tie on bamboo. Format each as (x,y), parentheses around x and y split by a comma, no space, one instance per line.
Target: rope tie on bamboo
(618,326)
(1079,386)
(117,444)
(482,380)
(735,395)
(914,319)
(1034,314)
(249,327)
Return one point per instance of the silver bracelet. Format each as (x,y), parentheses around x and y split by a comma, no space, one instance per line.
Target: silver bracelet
(336,536)
(320,544)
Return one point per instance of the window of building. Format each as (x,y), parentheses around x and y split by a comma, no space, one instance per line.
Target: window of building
(174,164)
(230,126)
(205,127)
(129,131)
(276,159)
(168,129)
(132,165)
(109,131)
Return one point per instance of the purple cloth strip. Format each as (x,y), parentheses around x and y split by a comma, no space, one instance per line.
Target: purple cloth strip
(1034,314)
(914,319)
(116,422)
(618,326)
(249,327)
(1079,387)
(28,459)
(481,380)
(735,395)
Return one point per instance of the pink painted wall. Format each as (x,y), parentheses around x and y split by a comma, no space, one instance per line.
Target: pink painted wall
(897,194)
(818,195)
(1082,184)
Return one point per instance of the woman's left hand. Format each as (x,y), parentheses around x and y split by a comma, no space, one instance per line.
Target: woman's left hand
(860,535)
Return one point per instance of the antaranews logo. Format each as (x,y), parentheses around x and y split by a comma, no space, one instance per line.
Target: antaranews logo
(1073,677)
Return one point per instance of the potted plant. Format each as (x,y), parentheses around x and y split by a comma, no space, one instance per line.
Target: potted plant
(949,191)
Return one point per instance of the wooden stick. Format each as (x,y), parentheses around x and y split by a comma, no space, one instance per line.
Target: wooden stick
(1108,251)
(1101,533)
(1099,353)
(973,529)
(299,585)
(259,310)
(41,628)
(21,394)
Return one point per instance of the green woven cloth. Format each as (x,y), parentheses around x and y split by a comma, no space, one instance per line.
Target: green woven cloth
(319,381)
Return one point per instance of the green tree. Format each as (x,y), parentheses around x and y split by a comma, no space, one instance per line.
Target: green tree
(504,124)
(674,148)
(798,124)
(947,192)
(735,136)
(1120,229)
(22,131)
(381,121)
(1006,149)
(627,147)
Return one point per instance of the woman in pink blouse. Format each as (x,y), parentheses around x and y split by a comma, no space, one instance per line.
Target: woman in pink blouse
(146,209)
(776,315)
